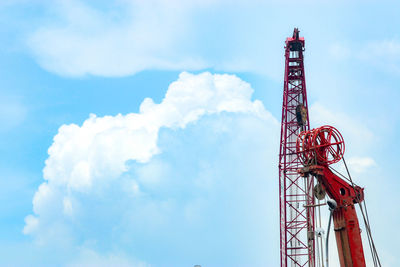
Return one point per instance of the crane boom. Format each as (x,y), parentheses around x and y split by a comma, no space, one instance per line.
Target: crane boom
(346,225)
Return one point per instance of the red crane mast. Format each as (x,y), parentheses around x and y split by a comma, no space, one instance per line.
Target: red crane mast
(295,191)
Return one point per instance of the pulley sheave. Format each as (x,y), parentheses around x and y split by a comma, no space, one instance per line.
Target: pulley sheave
(323,145)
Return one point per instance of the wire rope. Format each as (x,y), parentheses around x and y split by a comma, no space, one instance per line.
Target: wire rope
(371,242)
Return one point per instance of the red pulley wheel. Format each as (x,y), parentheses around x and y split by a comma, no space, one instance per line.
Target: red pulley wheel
(323,145)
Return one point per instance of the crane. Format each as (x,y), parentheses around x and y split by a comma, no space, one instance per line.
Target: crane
(305,174)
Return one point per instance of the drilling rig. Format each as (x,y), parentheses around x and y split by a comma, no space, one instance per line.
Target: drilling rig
(306,177)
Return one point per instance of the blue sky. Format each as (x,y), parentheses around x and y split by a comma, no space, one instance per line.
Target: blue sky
(187,176)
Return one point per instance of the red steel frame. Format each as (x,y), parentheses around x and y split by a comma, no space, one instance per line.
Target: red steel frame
(347,227)
(295,192)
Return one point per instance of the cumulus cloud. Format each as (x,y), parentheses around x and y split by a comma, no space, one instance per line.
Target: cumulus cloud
(168,185)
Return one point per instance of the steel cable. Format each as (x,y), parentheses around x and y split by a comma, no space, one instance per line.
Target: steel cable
(371,242)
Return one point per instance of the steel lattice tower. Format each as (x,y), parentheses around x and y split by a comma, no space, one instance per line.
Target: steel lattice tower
(295,192)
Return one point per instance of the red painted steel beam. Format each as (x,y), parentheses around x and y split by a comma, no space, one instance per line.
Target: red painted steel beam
(346,225)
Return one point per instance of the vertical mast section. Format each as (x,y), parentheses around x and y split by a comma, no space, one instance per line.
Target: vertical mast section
(295,192)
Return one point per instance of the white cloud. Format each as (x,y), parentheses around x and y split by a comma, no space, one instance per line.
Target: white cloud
(184,170)
(12,112)
(130,37)
(102,145)
(31,224)
(384,54)
(360,164)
